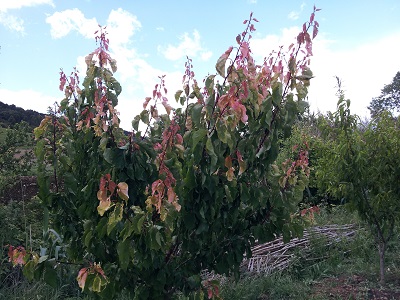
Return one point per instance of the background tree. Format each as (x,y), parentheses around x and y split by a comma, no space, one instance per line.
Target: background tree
(193,191)
(389,100)
(362,165)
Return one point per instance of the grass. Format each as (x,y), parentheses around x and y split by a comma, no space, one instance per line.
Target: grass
(346,270)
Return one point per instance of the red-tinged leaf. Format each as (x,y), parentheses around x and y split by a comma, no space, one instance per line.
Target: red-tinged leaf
(123,191)
(315,32)
(255,20)
(97,269)
(230,174)
(167,107)
(312,17)
(242,164)
(238,38)
(146,101)
(245,21)
(111,186)
(103,206)
(210,293)
(304,27)
(178,139)
(171,195)
(316,23)
(228,162)
(81,278)
(318,9)
(300,38)
(10,252)
(220,66)
(102,195)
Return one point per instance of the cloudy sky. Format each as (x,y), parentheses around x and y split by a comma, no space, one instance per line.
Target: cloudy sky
(359,41)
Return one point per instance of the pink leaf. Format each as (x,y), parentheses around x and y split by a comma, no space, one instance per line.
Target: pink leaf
(315,32)
(146,101)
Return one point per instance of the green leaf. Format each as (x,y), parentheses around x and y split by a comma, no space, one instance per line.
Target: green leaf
(114,217)
(178,94)
(198,136)
(96,285)
(123,250)
(209,84)
(220,66)
(135,123)
(50,276)
(144,117)
(29,270)
(196,114)
(137,223)
(277,94)
(213,156)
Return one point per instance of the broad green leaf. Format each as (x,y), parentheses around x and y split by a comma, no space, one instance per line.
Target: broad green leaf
(144,117)
(50,276)
(115,217)
(137,223)
(213,156)
(277,94)
(123,250)
(178,94)
(198,136)
(209,84)
(196,114)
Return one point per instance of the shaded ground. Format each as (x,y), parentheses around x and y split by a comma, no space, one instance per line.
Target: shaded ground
(24,188)
(356,287)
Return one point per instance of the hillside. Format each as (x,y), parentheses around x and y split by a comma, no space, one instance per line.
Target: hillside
(11,114)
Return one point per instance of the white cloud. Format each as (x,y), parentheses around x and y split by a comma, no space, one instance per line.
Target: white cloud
(294,15)
(205,56)
(160,28)
(121,25)
(28,99)
(188,46)
(263,46)
(364,69)
(62,23)
(12,22)
(16,4)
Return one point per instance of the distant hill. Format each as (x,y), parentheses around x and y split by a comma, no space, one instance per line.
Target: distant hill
(11,114)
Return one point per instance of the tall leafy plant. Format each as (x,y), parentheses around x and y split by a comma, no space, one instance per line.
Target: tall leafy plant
(362,166)
(191,191)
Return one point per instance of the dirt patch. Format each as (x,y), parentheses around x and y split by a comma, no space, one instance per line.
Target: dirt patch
(24,188)
(356,287)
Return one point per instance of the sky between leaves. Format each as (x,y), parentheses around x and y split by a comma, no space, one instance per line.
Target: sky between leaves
(358,41)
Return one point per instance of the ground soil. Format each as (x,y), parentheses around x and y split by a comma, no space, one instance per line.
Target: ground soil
(357,287)
(24,188)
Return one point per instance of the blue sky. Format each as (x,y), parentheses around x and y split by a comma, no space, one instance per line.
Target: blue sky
(359,41)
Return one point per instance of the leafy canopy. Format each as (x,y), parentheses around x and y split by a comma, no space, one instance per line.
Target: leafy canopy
(191,191)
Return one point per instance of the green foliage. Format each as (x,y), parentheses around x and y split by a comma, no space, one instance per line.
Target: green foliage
(362,165)
(389,100)
(10,115)
(16,156)
(147,212)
